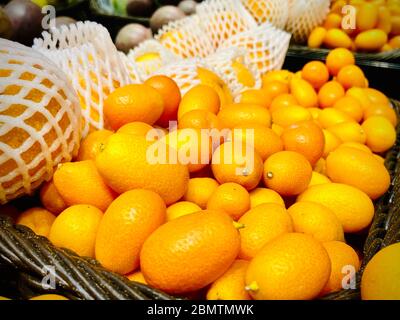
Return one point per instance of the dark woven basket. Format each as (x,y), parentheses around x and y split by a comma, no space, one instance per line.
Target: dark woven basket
(24,255)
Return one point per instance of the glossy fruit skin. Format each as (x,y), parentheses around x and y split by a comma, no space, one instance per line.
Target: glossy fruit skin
(239,114)
(38,219)
(180,209)
(351,76)
(292,267)
(135,128)
(253,96)
(330,93)
(331,142)
(316,73)
(304,93)
(199,119)
(349,131)
(200,97)
(359,169)
(90,146)
(351,106)
(263,195)
(126,224)
(318,178)
(337,38)
(339,58)
(371,40)
(353,207)
(191,252)
(200,190)
(381,135)
(381,110)
(51,198)
(289,115)
(316,38)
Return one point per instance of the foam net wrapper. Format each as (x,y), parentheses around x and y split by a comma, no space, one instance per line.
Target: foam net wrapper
(149,56)
(266,46)
(39,119)
(274,11)
(223,60)
(222,19)
(86,53)
(304,16)
(185,38)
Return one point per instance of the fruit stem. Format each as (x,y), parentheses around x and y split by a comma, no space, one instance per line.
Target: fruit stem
(238,225)
(252,287)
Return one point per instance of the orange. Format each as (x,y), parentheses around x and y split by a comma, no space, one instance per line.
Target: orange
(304,92)
(331,116)
(381,135)
(49,297)
(38,219)
(137,277)
(260,97)
(51,198)
(180,209)
(331,142)
(200,190)
(351,106)
(136,128)
(330,93)
(76,228)
(318,178)
(199,119)
(239,114)
(376,97)
(361,95)
(380,279)
(81,183)
(134,102)
(235,162)
(381,110)
(171,95)
(262,195)
(200,97)
(230,286)
(191,252)
(126,224)
(287,173)
(316,220)
(275,88)
(358,169)
(351,76)
(230,198)
(90,146)
(353,207)
(339,58)
(316,73)
(289,115)
(262,224)
(283,100)
(265,141)
(294,266)
(128,162)
(342,257)
(283,76)
(349,132)
(306,138)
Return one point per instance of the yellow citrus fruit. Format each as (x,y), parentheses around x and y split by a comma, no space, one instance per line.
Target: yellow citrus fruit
(337,38)
(316,73)
(199,119)
(349,132)
(351,106)
(126,224)
(90,146)
(351,76)
(263,195)
(290,115)
(356,145)
(283,76)
(200,190)
(135,128)
(294,266)
(38,219)
(361,95)
(134,102)
(275,88)
(230,198)
(367,16)
(316,37)
(287,172)
(383,110)
(230,286)
(381,135)
(358,169)
(189,253)
(200,97)
(180,209)
(128,162)
(333,20)
(261,225)
(371,40)
(76,229)
(317,220)
(137,277)
(253,96)
(283,100)
(49,297)
(376,97)
(318,178)
(243,113)
(81,183)
(353,207)
(51,198)
(331,116)
(342,257)
(380,279)
(339,58)
(331,142)
(303,90)
(330,93)
(235,162)
(243,74)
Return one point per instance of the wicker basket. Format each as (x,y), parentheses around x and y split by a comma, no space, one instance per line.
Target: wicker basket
(23,255)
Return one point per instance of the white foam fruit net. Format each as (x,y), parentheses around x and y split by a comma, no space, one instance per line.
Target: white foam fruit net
(39,119)
(266,46)
(86,53)
(149,56)
(227,62)
(304,16)
(222,19)
(185,38)
(274,11)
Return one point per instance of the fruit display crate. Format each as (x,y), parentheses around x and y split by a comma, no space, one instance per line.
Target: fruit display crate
(25,257)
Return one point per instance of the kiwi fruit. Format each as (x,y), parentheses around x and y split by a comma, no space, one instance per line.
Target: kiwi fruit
(130,36)
(164,15)
(6,30)
(188,6)
(140,8)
